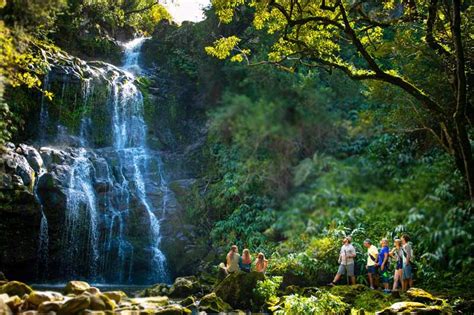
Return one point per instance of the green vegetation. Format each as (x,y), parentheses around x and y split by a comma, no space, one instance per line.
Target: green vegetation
(335,122)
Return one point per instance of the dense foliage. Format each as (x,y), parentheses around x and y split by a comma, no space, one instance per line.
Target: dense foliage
(300,158)
(298,153)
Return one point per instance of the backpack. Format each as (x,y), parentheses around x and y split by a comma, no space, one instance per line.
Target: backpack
(405,254)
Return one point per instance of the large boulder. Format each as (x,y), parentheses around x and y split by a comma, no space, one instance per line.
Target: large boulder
(159,289)
(15,288)
(150,302)
(237,288)
(173,310)
(38,297)
(15,303)
(420,295)
(46,307)
(115,296)
(412,308)
(32,156)
(18,165)
(76,287)
(211,303)
(4,308)
(184,286)
(75,305)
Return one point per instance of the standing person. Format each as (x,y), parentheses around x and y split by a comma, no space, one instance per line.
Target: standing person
(261,264)
(346,261)
(245,263)
(397,256)
(233,259)
(383,264)
(407,258)
(372,255)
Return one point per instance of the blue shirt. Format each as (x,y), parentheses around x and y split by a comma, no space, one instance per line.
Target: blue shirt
(382,253)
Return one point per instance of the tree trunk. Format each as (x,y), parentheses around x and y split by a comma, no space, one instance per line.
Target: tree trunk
(463,144)
(463,156)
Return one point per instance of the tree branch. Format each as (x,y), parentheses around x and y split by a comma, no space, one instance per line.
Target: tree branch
(430,40)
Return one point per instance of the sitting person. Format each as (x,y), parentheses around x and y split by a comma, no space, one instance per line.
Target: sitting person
(233,259)
(261,264)
(245,262)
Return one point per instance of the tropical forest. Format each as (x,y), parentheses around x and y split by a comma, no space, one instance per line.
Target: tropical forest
(182,157)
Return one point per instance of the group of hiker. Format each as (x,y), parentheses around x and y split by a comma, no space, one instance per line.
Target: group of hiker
(235,262)
(378,262)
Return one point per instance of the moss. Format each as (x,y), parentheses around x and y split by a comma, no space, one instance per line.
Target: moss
(237,289)
(372,301)
(109,303)
(211,303)
(349,293)
(15,288)
(419,295)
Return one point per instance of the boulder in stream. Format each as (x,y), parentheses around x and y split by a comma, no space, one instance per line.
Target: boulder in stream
(76,287)
(237,288)
(184,286)
(75,305)
(15,288)
(211,303)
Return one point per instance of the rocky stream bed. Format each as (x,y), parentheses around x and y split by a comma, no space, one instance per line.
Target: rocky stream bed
(205,295)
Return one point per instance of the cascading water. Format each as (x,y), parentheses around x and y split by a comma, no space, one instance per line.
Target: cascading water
(129,138)
(108,187)
(43,242)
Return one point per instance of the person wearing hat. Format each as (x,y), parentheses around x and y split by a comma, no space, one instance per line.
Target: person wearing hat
(372,255)
(346,261)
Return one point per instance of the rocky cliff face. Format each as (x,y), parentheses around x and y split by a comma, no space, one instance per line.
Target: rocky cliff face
(20,211)
(76,203)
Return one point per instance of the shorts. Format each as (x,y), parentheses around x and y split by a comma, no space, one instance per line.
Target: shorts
(384,275)
(407,272)
(349,268)
(399,265)
(371,269)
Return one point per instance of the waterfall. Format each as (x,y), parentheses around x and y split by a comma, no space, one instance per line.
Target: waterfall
(43,242)
(129,131)
(107,188)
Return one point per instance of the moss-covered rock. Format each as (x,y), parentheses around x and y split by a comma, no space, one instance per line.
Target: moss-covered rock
(173,310)
(413,308)
(38,297)
(154,301)
(190,300)
(15,288)
(160,289)
(349,293)
(116,296)
(211,303)
(420,295)
(96,303)
(47,307)
(372,300)
(76,287)
(184,286)
(110,304)
(14,302)
(237,288)
(75,305)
